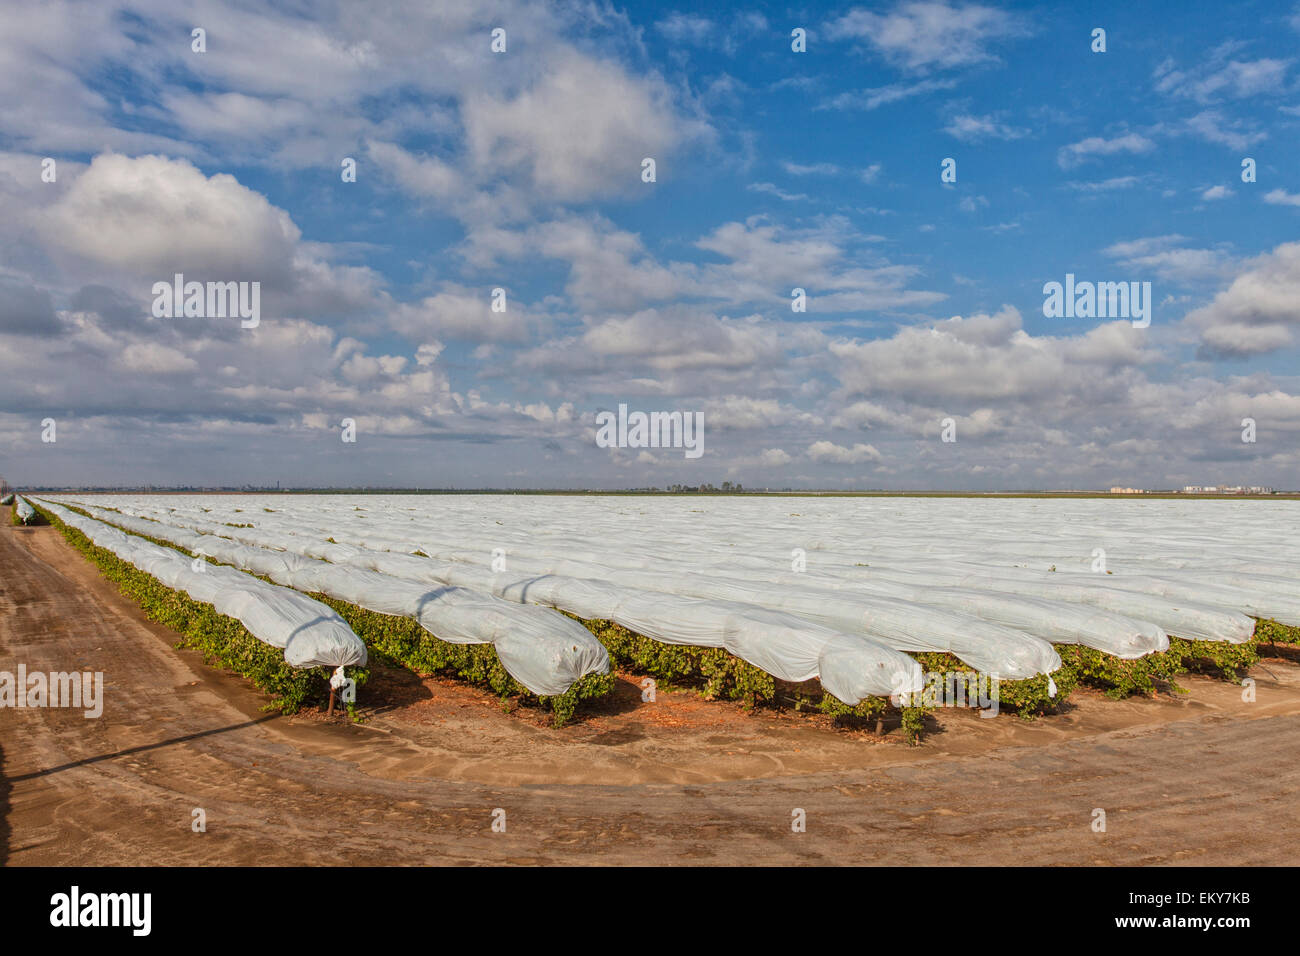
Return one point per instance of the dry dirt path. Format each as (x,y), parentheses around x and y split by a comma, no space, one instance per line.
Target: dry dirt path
(1206,779)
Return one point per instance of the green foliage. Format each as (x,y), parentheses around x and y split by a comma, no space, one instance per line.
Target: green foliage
(1121,678)
(222,640)
(1217,658)
(914,723)
(1117,677)
(872,710)
(1028,698)
(869,709)
(403,641)
(1269,631)
(718,673)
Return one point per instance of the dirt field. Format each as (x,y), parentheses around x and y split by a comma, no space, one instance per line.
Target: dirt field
(1199,779)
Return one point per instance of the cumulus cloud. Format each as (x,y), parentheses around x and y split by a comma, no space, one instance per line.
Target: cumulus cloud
(1280,197)
(774,458)
(152,215)
(144,219)
(492,171)
(674,339)
(985,360)
(580,131)
(462,314)
(424,176)
(830,453)
(1259,312)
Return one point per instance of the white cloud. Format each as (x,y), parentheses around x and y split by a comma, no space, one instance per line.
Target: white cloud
(686,28)
(1259,312)
(151,358)
(1076,153)
(921,35)
(971,129)
(831,453)
(981,358)
(1161,256)
(1280,197)
(464,314)
(694,30)
(774,190)
(426,176)
(154,216)
(874,98)
(813,169)
(1105,185)
(580,131)
(1213,127)
(744,412)
(774,458)
(1222,78)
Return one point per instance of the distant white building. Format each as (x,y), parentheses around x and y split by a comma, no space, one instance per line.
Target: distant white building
(1226,490)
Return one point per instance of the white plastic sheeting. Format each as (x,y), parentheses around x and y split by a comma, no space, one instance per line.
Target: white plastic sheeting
(661,612)
(850,667)
(7,500)
(309,633)
(1008,636)
(1187,619)
(1039,568)
(26,513)
(543,650)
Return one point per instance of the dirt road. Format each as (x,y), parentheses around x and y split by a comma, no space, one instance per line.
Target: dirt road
(1205,778)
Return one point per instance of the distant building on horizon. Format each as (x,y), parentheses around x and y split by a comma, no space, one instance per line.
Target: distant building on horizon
(1227,490)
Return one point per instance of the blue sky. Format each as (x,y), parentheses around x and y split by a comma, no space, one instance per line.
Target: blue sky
(775,169)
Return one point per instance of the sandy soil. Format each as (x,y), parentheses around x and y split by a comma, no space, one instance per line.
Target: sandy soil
(1200,778)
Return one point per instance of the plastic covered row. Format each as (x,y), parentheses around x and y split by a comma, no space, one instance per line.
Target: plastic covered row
(849,666)
(309,633)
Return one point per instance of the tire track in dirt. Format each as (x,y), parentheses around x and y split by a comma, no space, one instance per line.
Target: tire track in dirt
(1214,786)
